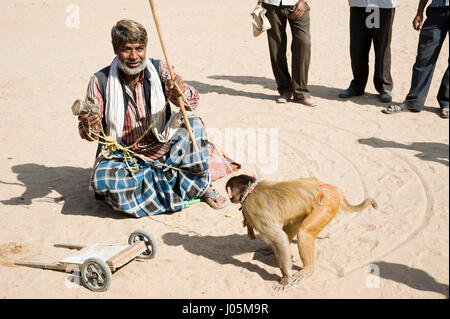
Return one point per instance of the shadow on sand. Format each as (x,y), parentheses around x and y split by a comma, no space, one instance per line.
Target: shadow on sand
(435,152)
(412,277)
(213,247)
(70,182)
(319,91)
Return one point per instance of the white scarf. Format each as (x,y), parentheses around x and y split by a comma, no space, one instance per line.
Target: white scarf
(115,108)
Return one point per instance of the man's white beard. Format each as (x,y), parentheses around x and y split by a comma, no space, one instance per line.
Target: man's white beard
(132,71)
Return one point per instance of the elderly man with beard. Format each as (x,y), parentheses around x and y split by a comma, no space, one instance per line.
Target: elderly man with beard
(132,93)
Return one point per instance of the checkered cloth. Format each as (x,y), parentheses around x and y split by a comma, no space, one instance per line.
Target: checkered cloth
(156,189)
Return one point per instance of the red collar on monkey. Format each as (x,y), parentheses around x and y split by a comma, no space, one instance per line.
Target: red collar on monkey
(250,188)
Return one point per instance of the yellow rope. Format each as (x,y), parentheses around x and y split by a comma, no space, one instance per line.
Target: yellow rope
(110,145)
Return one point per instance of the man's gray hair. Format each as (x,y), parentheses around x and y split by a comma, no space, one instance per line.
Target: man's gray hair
(128,31)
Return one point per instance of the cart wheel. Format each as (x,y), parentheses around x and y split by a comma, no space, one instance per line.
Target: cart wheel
(142,235)
(96,274)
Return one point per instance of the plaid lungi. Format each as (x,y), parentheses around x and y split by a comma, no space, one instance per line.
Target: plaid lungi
(156,189)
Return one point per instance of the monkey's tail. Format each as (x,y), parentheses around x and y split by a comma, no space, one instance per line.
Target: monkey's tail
(347,207)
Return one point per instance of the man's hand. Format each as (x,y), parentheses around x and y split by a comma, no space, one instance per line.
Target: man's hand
(174,94)
(418,19)
(298,10)
(91,120)
(418,22)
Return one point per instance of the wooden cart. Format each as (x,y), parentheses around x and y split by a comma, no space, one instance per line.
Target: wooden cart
(97,262)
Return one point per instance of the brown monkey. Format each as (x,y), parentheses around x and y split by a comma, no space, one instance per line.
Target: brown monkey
(282,211)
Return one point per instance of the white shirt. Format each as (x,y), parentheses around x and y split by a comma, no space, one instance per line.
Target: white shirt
(385,4)
(282,2)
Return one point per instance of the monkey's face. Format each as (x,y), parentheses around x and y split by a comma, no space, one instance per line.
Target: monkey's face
(237,185)
(233,195)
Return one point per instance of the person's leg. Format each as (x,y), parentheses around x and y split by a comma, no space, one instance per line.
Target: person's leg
(382,45)
(360,42)
(193,180)
(443,94)
(431,38)
(277,40)
(301,55)
(443,97)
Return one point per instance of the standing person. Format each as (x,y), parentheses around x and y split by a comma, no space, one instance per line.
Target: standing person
(297,13)
(371,21)
(432,35)
(132,94)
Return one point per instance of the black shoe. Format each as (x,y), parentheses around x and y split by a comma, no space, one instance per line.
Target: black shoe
(100,197)
(385,96)
(350,93)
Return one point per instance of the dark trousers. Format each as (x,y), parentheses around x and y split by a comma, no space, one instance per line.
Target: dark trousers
(300,49)
(361,38)
(432,36)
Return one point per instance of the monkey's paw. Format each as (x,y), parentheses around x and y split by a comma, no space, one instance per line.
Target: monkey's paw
(282,285)
(299,277)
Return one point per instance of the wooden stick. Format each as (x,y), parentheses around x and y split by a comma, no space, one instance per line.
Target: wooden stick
(172,76)
(126,255)
(41,265)
(70,246)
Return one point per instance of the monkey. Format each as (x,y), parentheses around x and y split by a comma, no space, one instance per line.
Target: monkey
(282,211)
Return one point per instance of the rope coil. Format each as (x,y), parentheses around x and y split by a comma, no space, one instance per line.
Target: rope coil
(110,145)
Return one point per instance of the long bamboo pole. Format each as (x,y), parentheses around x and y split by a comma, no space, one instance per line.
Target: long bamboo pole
(172,76)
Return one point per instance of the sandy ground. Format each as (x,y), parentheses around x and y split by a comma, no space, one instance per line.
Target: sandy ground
(399,251)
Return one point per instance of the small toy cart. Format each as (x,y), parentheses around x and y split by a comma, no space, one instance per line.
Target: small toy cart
(97,262)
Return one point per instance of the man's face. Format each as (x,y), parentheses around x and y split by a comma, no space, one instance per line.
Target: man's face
(132,57)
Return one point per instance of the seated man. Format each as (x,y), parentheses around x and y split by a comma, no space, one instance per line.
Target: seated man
(132,93)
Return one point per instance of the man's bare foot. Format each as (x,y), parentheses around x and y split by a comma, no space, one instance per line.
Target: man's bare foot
(214,199)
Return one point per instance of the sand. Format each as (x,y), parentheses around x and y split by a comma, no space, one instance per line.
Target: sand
(398,251)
